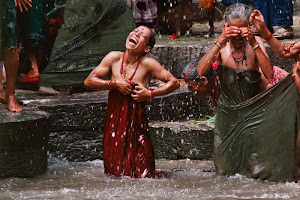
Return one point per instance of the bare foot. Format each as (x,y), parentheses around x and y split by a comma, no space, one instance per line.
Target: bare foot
(33,73)
(13,105)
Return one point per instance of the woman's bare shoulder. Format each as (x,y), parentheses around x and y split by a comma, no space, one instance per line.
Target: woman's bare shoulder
(114,55)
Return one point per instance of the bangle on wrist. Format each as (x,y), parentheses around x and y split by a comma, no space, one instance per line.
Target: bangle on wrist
(255,47)
(269,37)
(109,84)
(113,85)
(151,94)
(218,44)
(294,74)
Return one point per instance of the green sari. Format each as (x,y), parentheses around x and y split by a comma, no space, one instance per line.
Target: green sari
(8,32)
(257,137)
(91,29)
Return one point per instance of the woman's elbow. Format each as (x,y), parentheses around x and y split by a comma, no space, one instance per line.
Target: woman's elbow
(270,74)
(86,83)
(176,84)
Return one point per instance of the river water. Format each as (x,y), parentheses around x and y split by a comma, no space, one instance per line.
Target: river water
(188,180)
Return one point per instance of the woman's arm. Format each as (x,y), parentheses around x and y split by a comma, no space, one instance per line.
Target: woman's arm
(95,80)
(206,61)
(284,51)
(263,59)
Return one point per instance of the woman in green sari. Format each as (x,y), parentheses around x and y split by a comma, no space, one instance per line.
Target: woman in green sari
(255,132)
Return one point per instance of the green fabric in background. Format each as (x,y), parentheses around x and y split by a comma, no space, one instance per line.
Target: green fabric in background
(111,20)
(257,138)
(8,31)
(33,25)
(1,33)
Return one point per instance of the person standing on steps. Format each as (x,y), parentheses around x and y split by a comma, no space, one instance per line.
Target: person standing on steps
(9,51)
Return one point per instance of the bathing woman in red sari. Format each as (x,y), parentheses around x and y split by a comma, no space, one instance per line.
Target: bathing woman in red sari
(127,146)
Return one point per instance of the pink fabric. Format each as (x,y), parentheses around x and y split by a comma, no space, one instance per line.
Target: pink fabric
(215,65)
(279,74)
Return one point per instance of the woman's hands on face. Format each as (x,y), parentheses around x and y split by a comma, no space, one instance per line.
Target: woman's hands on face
(229,32)
(247,32)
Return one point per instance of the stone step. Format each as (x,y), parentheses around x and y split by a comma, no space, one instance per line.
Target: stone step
(181,140)
(171,140)
(76,122)
(24,142)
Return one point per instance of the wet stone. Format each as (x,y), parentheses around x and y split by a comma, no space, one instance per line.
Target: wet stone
(24,142)
(181,140)
(76,123)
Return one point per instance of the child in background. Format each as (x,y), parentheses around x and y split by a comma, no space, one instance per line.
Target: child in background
(210,5)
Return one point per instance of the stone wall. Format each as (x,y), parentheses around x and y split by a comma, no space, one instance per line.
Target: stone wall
(173,140)
(76,124)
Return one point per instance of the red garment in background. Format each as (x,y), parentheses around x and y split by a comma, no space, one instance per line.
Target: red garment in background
(127,146)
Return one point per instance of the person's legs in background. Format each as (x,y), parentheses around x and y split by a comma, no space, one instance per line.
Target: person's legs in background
(211,20)
(34,37)
(278,15)
(263,7)
(281,18)
(9,51)
(11,61)
(144,12)
(2,92)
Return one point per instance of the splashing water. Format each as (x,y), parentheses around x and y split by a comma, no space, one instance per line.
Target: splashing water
(188,180)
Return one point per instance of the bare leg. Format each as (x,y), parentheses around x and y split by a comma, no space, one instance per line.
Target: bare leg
(211,22)
(2,92)
(11,63)
(2,77)
(34,71)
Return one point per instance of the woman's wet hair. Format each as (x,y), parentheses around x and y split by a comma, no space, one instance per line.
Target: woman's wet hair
(152,41)
(190,70)
(237,11)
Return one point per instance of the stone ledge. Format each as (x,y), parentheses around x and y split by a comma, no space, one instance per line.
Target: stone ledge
(180,140)
(24,142)
(76,122)
(171,140)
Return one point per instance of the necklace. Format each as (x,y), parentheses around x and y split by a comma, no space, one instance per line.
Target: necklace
(121,69)
(242,57)
(237,58)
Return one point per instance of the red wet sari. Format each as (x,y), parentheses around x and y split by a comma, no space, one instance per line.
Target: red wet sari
(127,146)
